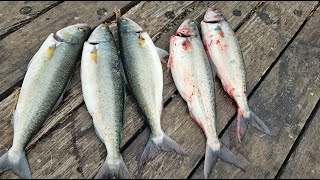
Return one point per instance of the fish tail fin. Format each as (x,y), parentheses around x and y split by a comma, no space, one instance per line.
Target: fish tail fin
(164,143)
(118,170)
(222,153)
(254,120)
(18,163)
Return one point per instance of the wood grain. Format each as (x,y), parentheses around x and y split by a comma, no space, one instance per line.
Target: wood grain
(284,100)
(14,14)
(131,127)
(255,36)
(304,161)
(74,98)
(18,48)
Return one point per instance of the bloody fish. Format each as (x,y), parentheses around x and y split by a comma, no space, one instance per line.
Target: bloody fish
(194,79)
(224,52)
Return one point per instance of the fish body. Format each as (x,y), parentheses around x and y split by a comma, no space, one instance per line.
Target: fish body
(225,54)
(48,74)
(104,95)
(194,79)
(143,70)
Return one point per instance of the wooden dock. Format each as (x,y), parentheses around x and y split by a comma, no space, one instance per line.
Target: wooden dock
(280,42)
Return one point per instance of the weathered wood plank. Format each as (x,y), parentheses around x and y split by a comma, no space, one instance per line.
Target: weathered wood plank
(18,48)
(304,161)
(74,97)
(84,116)
(14,14)
(256,37)
(285,98)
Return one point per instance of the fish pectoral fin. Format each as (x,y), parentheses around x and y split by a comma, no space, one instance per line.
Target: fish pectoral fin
(162,54)
(67,88)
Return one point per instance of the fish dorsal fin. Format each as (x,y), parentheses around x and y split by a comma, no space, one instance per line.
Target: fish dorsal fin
(162,54)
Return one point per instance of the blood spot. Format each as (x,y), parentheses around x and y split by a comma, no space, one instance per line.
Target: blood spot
(244,92)
(231,91)
(186,44)
(221,34)
(217,42)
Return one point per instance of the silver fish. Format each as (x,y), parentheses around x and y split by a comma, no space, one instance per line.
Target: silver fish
(104,95)
(143,70)
(194,79)
(225,53)
(46,80)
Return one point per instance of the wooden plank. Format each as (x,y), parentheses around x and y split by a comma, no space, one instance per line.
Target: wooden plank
(18,48)
(74,97)
(304,161)
(255,36)
(15,14)
(284,100)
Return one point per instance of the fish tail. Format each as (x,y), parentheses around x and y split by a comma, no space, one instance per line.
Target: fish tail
(154,145)
(117,170)
(18,163)
(222,153)
(254,120)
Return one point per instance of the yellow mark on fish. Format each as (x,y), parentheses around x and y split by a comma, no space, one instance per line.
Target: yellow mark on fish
(141,40)
(50,51)
(93,56)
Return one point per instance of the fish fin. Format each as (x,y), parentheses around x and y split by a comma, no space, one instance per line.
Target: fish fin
(19,166)
(254,120)
(118,170)
(222,153)
(67,88)
(153,146)
(162,54)
(123,74)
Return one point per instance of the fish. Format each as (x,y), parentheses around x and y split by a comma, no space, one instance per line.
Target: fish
(194,78)
(143,70)
(225,54)
(47,78)
(103,90)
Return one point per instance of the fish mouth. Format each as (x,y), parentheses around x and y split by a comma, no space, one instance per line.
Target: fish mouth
(93,43)
(182,35)
(213,21)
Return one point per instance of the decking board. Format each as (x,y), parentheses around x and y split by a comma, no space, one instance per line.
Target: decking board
(68,147)
(284,101)
(18,48)
(15,14)
(304,161)
(256,39)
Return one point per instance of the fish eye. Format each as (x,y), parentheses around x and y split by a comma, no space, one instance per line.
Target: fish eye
(81,29)
(103,27)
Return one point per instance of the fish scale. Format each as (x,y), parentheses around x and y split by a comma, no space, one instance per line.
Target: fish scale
(143,70)
(104,95)
(225,54)
(194,79)
(48,74)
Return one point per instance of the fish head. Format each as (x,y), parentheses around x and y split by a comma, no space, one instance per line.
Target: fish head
(188,28)
(74,34)
(213,16)
(101,33)
(127,25)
